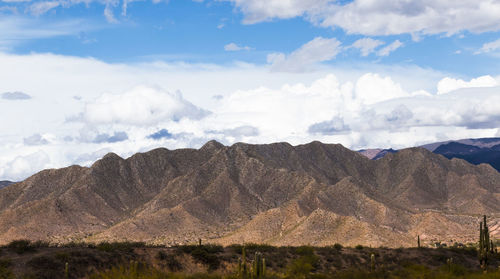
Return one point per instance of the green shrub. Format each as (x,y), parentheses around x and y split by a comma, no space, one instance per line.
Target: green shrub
(337,246)
(205,254)
(359,247)
(127,247)
(169,260)
(21,246)
(5,269)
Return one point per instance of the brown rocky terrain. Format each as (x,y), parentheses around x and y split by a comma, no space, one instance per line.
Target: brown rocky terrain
(316,194)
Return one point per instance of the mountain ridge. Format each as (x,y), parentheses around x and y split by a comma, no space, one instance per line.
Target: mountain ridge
(276,193)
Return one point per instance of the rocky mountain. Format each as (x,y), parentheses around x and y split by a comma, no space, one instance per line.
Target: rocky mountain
(317,194)
(475,151)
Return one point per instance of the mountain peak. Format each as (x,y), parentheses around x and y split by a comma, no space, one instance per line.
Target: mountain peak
(112,156)
(212,145)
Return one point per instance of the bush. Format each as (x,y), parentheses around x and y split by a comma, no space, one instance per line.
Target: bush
(132,271)
(5,271)
(359,247)
(21,246)
(205,254)
(337,246)
(127,247)
(210,248)
(170,261)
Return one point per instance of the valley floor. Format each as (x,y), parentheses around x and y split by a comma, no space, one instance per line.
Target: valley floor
(22,259)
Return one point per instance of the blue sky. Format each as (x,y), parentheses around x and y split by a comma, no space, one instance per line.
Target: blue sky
(197,32)
(79,79)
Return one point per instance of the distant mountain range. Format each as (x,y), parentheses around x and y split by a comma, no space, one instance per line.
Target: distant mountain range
(317,194)
(475,151)
(5,183)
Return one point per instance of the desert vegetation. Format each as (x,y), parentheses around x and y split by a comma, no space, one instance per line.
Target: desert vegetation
(25,259)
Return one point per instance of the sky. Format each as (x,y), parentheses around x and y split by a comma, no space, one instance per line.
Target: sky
(81,78)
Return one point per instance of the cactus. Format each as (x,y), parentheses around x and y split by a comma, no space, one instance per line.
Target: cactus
(258,266)
(449,262)
(66,270)
(199,241)
(372,262)
(418,241)
(485,244)
(243,271)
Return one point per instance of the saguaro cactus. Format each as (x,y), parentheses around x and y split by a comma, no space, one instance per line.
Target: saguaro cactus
(372,262)
(485,245)
(449,262)
(66,270)
(418,241)
(259,266)
(243,271)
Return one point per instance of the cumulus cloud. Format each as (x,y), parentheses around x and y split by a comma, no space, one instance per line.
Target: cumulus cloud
(15,96)
(372,88)
(367,45)
(388,107)
(141,106)
(450,84)
(317,50)
(390,48)
(22,166)
(235,47)
(384,18)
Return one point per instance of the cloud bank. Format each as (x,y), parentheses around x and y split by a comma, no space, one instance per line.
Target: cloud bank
(134,108)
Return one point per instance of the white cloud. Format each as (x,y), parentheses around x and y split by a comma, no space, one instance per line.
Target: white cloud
(450,84)
(380,17)
(372,88)
(390,48)
(303,59)
(266,10)
(489,47)
(235,47)
(108,11)
(374,106)
(24,165)
(140,106)
(367,45)
(39,8)
(17,29)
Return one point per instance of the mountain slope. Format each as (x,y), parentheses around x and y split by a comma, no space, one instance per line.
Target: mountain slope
(275,193)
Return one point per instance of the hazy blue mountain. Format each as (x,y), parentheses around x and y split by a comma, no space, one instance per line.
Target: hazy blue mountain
(5,183)
(475,151)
